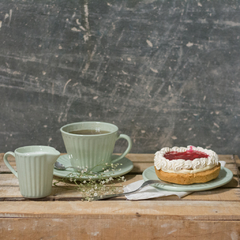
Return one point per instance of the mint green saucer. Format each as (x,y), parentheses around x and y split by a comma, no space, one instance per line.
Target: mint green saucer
(125,166)
(223,178)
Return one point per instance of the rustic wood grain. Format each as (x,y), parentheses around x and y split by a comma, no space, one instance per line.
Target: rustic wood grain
(106,209)
(66,193)
(132,220)
(111,228)
(212,214)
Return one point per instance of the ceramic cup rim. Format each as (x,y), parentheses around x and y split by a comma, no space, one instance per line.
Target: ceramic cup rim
(39,148)
(90,135)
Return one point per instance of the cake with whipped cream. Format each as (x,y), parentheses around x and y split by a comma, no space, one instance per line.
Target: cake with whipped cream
(186,165)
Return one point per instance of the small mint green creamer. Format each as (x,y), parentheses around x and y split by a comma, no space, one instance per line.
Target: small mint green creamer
(34,169)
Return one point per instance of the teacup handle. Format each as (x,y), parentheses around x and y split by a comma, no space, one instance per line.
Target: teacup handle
(8,164)
(128,148)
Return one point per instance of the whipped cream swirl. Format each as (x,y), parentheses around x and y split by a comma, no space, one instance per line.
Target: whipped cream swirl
(185,166)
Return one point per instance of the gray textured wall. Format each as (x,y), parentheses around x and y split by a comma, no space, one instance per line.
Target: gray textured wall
(166,72)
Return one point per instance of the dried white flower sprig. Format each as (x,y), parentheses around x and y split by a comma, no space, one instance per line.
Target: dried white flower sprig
(92,184)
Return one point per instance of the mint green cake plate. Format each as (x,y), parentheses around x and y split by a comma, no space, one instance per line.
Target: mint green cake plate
(125,166)
(223,178)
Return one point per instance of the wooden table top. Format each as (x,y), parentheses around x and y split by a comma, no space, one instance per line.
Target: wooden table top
(212,214)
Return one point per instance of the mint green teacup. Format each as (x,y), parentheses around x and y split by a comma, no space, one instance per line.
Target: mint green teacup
(34,169)
(91,144)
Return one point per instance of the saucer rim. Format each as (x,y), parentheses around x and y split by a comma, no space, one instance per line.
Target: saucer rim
(60,173)
(215,183)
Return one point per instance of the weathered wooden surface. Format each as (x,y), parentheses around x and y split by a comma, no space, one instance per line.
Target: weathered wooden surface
(213,214)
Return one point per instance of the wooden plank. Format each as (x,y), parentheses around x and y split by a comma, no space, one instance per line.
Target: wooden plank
(237,160)
(137,227)
(191,210)
(141,158)
(140,167)
(68,193)
(108,229)
(237,163)
(226,158)
(220,194)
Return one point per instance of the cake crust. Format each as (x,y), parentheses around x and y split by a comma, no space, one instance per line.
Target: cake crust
(189,178)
